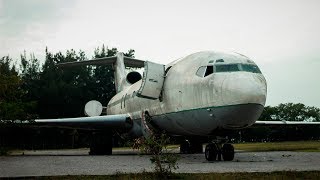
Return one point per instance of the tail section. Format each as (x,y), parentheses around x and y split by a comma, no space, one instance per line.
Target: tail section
(120,73)
(119,63)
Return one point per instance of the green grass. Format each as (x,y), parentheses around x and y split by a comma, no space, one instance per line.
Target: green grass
(202,176)
(303,146)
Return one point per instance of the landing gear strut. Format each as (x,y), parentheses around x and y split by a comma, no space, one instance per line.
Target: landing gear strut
(190,147)
(214,151)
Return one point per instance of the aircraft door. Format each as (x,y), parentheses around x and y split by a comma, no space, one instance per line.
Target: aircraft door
(152,80)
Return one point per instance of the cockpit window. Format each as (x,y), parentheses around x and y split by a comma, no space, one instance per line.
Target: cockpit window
(227,68)
(250,68)
(201,71)
(209,71)
(204,71)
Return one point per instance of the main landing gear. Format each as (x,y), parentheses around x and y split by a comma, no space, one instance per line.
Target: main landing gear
(215,150)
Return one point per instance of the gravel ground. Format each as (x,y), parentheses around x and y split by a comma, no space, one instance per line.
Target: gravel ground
(77,162)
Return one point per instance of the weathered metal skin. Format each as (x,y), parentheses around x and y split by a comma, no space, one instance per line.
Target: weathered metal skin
(194,105)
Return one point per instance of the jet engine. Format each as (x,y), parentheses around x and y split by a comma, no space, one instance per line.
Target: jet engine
(133,77)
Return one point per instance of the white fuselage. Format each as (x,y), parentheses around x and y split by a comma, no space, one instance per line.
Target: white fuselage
(201,93)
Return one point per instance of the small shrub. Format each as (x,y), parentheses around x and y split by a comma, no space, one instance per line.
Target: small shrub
(156,145)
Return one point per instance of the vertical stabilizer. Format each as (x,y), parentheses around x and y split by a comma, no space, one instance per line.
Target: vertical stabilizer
(120,72)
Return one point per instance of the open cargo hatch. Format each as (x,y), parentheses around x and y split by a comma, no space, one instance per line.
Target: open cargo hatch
(152,80)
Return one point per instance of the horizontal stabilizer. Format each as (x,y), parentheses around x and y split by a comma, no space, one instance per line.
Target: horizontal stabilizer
(129,62)
(98,61)
(121,121)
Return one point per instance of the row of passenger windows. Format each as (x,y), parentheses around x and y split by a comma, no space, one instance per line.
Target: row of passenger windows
(204,71)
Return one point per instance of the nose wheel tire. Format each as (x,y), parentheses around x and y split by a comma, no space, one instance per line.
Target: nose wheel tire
(213,150)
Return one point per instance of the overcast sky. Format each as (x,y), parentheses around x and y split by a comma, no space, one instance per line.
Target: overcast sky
(282,37)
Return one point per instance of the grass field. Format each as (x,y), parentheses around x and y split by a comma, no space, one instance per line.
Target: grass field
(305,146)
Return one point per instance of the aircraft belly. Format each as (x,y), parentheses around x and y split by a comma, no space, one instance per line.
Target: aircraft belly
(193,122)
(205,121)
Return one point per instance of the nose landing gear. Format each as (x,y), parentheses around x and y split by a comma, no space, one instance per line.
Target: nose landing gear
(215,150)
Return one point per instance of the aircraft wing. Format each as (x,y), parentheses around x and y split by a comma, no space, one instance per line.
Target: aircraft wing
(285,123)
(121,121)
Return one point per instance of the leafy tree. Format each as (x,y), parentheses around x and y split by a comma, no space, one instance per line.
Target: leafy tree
(30,75)
(290,112)
(9,81)
(268,113)
(104,87)
(50,91)
(62,91)
(65,91)
(11,105)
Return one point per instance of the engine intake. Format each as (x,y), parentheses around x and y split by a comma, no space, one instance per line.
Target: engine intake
(133,77)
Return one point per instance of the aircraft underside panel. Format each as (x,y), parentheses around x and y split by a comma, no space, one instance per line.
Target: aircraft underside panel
(205,121)
(152,81)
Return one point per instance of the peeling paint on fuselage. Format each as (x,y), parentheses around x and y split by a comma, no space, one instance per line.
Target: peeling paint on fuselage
(193,105)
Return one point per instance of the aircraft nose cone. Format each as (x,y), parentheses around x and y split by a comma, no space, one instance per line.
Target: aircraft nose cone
(244,89)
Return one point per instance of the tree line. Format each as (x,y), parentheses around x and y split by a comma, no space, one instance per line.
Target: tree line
(290,112)
(33,90)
